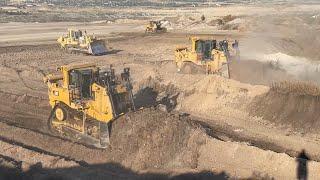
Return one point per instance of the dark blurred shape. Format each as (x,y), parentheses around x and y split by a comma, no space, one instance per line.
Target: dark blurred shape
(302,168)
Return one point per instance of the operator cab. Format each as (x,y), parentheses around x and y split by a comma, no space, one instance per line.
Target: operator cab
(158,24)
(205,47)
(76,34)
(80,82)
(224,46)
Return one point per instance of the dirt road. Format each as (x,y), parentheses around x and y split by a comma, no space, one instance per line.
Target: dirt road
(31,33)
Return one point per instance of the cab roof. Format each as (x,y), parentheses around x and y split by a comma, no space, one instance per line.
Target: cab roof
(78,66)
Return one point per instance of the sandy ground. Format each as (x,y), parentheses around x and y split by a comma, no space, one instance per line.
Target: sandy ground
(48,32)
(237,127)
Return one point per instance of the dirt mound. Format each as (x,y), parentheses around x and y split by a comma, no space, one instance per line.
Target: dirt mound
(215,95)
(228,22)
(290,103)
(153,139)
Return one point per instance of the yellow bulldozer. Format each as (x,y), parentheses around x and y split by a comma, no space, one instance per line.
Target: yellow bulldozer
(155,27)
(206,56)
(79,41)
(85,100)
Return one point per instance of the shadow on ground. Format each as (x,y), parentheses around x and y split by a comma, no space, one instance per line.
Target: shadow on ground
(114,51)
(149,97)
(146,97)
(100,171)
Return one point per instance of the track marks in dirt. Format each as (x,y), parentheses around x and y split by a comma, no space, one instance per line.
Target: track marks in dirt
(38,150)
(39,141)
(19,72)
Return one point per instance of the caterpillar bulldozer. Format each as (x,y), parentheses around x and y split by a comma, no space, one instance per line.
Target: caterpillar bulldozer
(155,27)
(85,101)
(79,41)
(206,56)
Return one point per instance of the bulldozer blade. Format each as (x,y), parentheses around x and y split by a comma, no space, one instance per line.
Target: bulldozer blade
(104,135)
(82,138)
(97,48)
(225,71)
